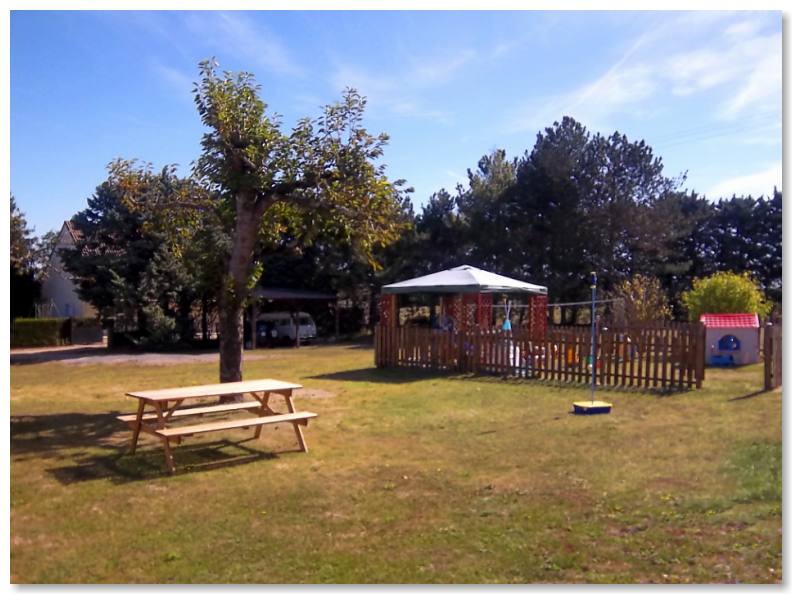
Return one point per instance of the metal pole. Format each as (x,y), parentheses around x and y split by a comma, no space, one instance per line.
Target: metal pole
(593,335)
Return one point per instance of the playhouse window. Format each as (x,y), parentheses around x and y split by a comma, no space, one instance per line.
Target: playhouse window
(729,343)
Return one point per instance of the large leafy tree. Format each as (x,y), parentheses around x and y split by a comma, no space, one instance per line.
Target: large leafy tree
(124,262)
(322,177)
(746,235)
(546,237)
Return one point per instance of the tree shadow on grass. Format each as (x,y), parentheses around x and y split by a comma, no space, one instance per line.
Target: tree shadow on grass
(570,386)
(396,375)
(74,438)
(382,375)
(49,356)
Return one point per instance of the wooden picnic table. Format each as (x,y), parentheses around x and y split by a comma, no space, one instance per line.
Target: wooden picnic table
(165,407)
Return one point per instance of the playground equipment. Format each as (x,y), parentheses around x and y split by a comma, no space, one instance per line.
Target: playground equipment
(595,406)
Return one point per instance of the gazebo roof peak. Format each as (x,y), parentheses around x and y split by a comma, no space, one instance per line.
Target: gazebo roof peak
(464,279)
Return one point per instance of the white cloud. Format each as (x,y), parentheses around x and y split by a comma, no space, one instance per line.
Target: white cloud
(761,90)
(439,69)
(755,184)
(735,56)
(235,34)
(174,77)
(401,92)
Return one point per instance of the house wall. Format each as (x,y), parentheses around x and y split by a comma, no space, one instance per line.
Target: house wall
(749,344)
(58,290)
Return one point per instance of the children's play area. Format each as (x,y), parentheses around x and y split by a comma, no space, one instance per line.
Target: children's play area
(482,322)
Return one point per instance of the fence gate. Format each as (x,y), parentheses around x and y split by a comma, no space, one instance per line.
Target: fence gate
(772,357)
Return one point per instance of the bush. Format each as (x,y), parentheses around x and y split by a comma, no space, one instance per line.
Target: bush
(32,332)
(725,292)
(160,329)
(86,330)
(642,299)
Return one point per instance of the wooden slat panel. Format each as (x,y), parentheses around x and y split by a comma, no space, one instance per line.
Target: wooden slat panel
(235,424)
(196,410)
(228,389)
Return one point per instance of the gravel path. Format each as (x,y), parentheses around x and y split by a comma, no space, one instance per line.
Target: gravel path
(99,355)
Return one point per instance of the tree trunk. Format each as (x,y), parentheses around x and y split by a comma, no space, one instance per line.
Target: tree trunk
(235,292)
(231,335)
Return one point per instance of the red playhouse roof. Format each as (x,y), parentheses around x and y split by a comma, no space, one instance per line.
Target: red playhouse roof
(730,320)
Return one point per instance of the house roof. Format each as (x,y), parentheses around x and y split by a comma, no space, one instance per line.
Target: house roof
(730,320)
(75,233)
(464,279)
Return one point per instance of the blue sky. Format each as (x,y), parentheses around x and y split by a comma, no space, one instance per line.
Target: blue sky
(702,88)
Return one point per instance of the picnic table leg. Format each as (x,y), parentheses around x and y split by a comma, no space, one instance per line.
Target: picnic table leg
(168,455)
(165,440)
(297,429)
(263,411)
(138,423)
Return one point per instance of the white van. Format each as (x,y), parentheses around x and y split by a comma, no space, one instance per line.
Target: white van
(278,326)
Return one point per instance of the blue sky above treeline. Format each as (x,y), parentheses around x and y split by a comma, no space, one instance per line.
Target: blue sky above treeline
(702,88)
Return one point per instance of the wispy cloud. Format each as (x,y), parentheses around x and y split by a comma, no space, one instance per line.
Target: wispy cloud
(736,56)
(756,184)
(173,77)
(248,41)
(402,92)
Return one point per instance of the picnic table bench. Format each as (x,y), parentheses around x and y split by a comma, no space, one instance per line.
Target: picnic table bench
(165,405)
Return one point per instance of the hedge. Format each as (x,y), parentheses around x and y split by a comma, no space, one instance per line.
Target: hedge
(31,332)
(85,330)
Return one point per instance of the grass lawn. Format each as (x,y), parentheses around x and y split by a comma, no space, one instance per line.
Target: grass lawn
(410,477)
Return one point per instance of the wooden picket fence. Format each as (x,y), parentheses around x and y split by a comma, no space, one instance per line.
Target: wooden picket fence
(663,355)
(772,356)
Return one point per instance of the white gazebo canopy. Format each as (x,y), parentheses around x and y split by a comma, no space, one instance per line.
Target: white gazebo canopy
(464,279)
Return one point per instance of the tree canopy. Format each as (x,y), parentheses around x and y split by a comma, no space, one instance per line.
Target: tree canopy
(578,202)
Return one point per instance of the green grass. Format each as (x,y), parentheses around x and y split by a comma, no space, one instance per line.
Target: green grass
(411,477)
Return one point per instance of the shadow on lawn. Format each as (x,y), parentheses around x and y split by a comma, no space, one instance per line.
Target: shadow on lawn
(385,375)
(48,356)
(571,386)
(393,375)
(751,395)
(68,437)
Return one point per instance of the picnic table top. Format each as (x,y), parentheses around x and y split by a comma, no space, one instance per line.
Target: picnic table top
(227,389)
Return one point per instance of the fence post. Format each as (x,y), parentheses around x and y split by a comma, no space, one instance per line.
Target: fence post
(768,358)
(701,341)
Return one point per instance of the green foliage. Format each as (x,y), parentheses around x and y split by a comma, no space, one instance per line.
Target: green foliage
(33,332)
(159,328)
(270,190)
(321,179)
(22,241)
(725,292)
(134,256)
(643,299)
(578,202)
